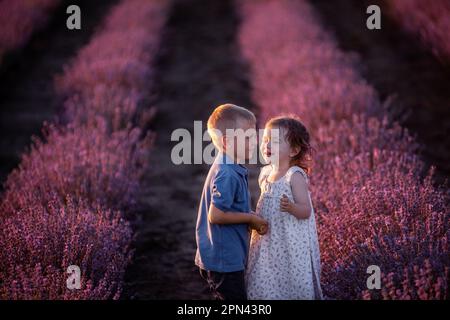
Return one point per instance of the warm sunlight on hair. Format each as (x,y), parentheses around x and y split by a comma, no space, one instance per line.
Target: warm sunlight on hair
(225,117)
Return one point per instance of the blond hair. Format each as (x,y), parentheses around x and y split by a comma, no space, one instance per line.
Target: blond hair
(224,117)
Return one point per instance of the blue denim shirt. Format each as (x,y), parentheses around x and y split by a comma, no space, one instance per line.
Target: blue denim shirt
(223,247)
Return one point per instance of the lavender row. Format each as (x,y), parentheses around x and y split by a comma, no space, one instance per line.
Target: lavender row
(373,207)
(65,204)
(428,20)
(20,19)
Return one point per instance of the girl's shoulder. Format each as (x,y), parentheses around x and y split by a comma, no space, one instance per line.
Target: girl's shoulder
(264,173)
(266,169)
(292,170)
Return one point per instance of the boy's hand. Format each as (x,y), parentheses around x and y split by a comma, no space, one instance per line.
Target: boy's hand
(263,229)
(259,224)
(285,204)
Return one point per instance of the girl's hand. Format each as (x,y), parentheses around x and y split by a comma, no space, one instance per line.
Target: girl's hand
(285,204)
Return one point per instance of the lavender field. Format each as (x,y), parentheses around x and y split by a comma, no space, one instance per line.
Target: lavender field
(87,117)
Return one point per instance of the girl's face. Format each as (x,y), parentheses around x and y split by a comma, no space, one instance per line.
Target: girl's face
(275,148)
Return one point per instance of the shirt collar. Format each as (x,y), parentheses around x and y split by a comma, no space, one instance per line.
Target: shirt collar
(225,159)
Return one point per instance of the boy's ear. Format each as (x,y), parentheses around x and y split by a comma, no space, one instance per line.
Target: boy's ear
(224,141)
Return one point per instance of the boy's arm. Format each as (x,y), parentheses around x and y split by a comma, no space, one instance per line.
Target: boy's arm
(224,188)
(217,216)
(222,196)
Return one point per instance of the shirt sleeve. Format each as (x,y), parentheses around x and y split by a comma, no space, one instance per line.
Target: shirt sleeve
(224,187)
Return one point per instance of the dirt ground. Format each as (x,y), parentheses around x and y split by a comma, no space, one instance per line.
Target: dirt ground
(198,69)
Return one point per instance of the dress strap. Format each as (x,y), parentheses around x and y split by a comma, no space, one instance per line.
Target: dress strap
(294,169)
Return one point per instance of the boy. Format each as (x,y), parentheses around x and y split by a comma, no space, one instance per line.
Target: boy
(224,215)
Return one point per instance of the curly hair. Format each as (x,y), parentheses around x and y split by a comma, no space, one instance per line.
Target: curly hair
(297,135)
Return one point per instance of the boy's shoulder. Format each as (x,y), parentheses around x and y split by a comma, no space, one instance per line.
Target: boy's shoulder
(229,173)
(225,169)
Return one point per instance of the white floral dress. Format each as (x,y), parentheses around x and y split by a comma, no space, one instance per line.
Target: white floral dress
(283,264)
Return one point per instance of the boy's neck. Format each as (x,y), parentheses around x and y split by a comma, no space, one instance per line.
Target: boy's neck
(230,157)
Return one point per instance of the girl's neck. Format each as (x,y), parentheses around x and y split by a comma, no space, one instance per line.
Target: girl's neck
(282,166)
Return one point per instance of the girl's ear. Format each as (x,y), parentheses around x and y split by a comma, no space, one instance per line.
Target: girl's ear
(295,151)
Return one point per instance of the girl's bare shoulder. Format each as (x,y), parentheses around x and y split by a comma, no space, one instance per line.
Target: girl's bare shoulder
(264,172)
(298,174)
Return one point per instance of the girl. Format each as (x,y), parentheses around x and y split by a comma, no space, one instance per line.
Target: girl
(285,263)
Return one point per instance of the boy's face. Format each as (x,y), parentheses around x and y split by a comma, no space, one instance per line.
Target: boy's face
(241,143)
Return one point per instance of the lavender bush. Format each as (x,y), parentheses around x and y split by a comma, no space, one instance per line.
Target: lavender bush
(20,19)
(65,203)
(40,241)
(109,76)
(373,206)
(428,20)
(87,163)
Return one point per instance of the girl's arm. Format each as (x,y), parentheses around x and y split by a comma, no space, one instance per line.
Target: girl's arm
(300,208)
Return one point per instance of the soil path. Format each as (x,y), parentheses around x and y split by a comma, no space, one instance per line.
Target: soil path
(27,96)
(198,69)
(396,64)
